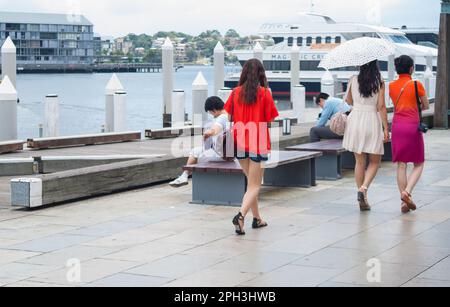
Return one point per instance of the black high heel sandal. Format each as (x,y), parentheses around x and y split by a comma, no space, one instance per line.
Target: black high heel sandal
(238,223)
(259,224)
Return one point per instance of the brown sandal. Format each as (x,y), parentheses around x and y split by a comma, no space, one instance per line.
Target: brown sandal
(405,208)
(362,200)
(407,199)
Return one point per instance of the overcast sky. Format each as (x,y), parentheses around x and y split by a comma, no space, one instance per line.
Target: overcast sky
(119,17)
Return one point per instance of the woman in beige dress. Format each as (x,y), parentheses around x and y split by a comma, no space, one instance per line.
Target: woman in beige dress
(367,127)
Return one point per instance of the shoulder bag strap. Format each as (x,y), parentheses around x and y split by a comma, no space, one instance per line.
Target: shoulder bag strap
(419,102)
(401,92)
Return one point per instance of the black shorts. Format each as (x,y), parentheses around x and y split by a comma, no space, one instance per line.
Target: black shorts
(254,157)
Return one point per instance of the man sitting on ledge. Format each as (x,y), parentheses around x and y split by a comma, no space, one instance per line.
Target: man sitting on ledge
(212,149)
(330,107)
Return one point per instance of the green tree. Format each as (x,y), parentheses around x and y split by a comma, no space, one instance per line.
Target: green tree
(153,56)
(232,33)
(191,55)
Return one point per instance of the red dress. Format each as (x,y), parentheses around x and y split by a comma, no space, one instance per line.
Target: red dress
(251,130)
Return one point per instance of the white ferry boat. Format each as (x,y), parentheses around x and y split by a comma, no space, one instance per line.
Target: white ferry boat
(316,35)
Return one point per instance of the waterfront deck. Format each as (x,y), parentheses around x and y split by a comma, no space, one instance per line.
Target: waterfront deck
(317,237)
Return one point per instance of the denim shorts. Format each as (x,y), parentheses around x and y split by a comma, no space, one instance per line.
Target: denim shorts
(254,157)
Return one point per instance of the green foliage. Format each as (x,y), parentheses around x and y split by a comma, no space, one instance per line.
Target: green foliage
(153,56)
(201,46)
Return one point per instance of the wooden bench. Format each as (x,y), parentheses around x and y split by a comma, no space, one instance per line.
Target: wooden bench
(43,190)
(224,183)
(11,146)
(335,158)
(166,133)
(83,140)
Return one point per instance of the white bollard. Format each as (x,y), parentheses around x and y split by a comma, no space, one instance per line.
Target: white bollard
(430,59)
(219,68)
(178,108)
(114,85)
(391,68)
(225,94)
(51,116)
(258,52)
(428,81)
(327,84)
(387,97)
(167,67)
(120,111)
(430,77)
(199,96)
(299,103)
(9,62)
(8,111)
(295,68)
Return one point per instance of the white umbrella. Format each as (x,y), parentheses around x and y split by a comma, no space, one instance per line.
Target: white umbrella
(358,52)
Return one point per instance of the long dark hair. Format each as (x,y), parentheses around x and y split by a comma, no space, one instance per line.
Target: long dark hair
(252,77)
(369,79)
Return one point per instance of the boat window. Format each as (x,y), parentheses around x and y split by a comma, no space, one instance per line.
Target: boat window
(350,36)
(338,40)
(278,40)
(290,41)
(417,38)
(328,40)
(309,41)
(277,65)
(299,41)
(399,39)
(318,40)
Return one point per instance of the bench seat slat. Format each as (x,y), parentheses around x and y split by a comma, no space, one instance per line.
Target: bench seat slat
(81,140)
(284,158)
(328,147)
(11,146)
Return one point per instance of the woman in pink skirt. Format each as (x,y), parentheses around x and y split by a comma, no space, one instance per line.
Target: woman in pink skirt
(407,140)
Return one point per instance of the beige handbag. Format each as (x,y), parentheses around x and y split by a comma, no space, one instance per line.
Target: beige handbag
(339,120)
(339,123)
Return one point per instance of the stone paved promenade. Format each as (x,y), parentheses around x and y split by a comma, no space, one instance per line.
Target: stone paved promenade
(317,237)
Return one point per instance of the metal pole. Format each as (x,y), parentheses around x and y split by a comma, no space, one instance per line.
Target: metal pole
(391,68)
(199,96)
(219,68)
(167,66)
(299,103)
(225,94)
(114,85)
(178,108)
(258,52)
(120,99)
(9,62)
(8,111)
(51,116)
(327,84)
(295,68)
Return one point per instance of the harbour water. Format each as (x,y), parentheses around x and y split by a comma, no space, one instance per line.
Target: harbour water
(82,102)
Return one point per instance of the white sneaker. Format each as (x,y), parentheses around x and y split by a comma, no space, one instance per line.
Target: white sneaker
(179,182)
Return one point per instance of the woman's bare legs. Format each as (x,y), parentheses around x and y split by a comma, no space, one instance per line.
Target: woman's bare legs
(372,170)
(364,177)
(254,173)
(402,176)
(415,177)
(406,185)
(360,169)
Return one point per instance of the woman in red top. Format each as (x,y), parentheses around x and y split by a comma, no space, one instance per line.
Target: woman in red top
(251,108)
